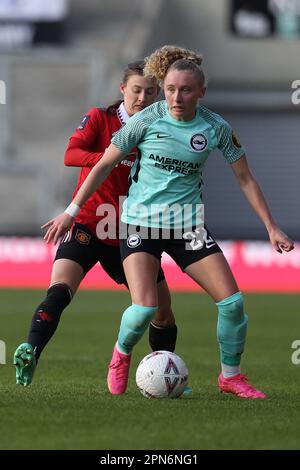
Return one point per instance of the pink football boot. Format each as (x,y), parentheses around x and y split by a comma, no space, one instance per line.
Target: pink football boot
(118,371)
(238,386)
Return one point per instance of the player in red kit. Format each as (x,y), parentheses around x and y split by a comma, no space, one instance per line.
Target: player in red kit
(80,249)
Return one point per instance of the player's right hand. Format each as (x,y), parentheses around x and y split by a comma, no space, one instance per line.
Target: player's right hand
(57,227)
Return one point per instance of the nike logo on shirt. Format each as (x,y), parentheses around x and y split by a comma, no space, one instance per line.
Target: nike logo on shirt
(160,135)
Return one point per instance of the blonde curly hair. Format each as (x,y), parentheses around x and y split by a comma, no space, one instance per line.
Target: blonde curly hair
(159,62)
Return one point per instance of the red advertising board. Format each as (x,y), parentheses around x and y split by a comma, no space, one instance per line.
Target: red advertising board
(27,263)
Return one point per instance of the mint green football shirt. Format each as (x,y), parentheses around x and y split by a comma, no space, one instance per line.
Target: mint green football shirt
(167,175)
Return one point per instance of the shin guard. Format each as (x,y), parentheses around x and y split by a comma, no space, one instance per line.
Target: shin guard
(231,328)
(135,321)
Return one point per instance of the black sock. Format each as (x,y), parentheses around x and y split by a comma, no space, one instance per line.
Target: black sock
(47,315)
(162,338)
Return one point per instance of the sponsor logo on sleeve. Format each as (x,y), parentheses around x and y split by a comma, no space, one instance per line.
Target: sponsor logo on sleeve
(83,122)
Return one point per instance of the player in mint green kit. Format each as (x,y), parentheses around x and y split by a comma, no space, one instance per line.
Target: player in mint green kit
(174,138)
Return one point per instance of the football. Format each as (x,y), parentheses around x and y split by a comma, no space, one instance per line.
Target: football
(162,374)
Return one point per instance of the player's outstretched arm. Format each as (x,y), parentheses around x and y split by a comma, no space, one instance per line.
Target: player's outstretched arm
(59,225)
(250,187)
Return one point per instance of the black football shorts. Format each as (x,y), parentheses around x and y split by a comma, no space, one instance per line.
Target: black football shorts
(79,244)
(192,245)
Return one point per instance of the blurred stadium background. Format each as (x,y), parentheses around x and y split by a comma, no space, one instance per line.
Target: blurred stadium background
(59,58)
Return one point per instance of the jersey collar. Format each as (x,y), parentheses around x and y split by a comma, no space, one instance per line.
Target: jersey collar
(122,114)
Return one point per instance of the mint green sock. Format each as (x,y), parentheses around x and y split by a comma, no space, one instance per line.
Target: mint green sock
(135,321)
(231,328)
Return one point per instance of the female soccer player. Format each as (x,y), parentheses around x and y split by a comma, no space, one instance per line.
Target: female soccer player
(81,248)
(174,138)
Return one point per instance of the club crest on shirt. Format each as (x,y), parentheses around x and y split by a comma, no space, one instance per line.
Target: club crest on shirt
(235,140)
(82,237)
(133,240)
(199,142)
(83,122)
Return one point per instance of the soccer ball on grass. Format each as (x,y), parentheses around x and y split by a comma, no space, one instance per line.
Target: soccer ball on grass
(162,374)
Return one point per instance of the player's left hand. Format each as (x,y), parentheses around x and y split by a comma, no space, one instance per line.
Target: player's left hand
(57,227)
(280,241)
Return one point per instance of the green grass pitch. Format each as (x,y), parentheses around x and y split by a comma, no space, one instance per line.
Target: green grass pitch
(68,405)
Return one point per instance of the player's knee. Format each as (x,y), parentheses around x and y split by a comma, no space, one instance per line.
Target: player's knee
(145,299)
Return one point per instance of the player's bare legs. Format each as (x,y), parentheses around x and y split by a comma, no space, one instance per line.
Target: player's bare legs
(141,270)
(66,271)
(164,315)
(214,275)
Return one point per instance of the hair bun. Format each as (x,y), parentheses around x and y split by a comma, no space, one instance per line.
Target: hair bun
(158,63)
